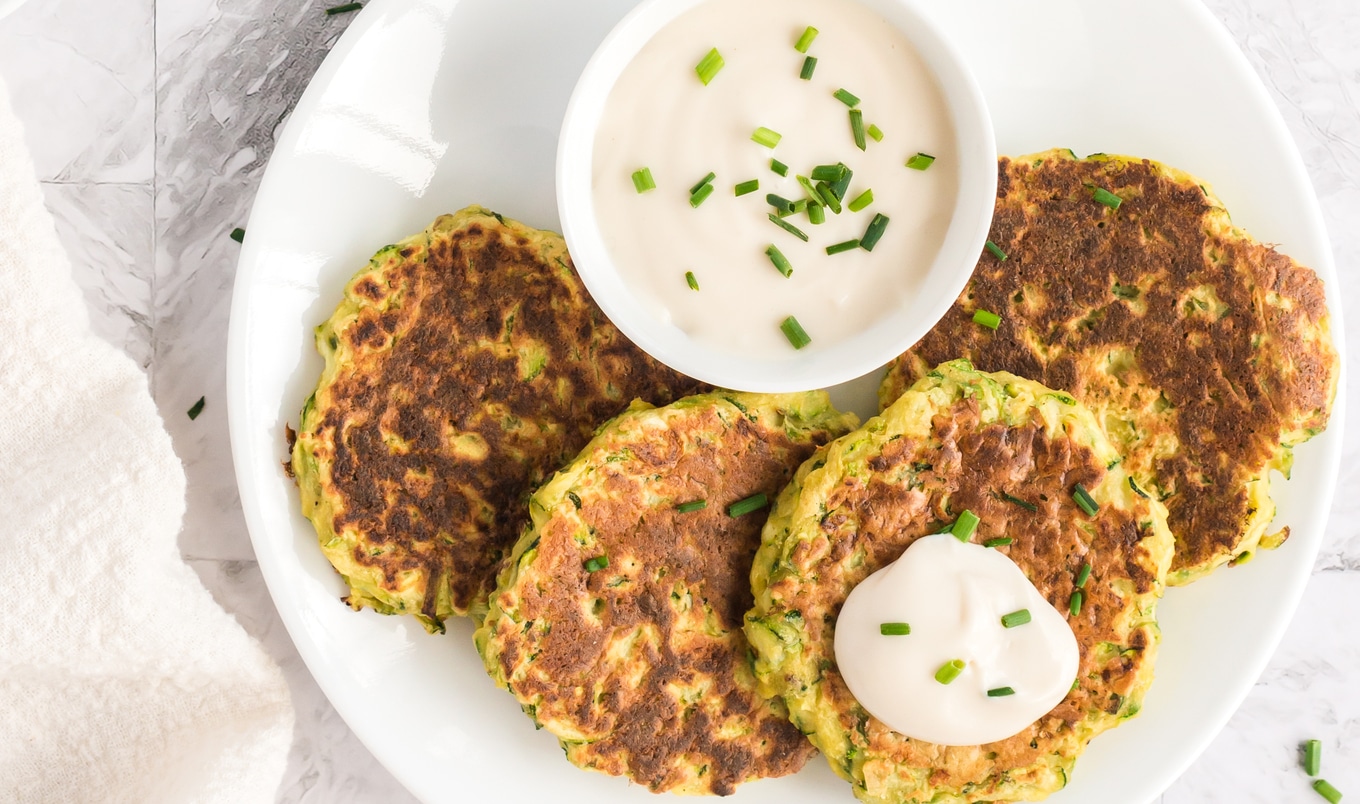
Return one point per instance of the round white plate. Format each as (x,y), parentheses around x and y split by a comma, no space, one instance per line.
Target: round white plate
(425,106)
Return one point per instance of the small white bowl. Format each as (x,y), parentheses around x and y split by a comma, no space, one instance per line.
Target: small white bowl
(824,366)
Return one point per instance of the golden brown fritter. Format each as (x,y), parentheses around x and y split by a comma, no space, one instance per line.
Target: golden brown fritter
(1207,355)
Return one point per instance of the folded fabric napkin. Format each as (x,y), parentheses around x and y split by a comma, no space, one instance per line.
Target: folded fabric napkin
(120,678)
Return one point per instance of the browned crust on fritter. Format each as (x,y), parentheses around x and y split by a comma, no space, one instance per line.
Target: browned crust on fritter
(438,354)
(1242,378)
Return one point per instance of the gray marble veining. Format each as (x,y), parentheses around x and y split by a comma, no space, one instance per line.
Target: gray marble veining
(151,124)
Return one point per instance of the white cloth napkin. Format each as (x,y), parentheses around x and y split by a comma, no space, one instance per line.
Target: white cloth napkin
(121,680)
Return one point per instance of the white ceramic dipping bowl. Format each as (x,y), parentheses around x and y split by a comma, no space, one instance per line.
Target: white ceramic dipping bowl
(818,365)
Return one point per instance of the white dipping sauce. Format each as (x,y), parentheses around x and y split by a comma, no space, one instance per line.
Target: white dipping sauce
(660,116)
(953,595)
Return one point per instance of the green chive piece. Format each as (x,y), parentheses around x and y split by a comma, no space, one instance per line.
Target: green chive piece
(1015,618)
(829,197)
(964,526)
(828,172)
(816,213)
(691,280)
(238,234)
(862,200)
(1000,692)
(795,333)
(950,670)
(696,188)
(1083,575)
(575,499)
(846,97)
(767,137)
(805,41)
(920,161)
(344,9)
(597,563)
(1000,541)
(987,318)
(788,227)
(779,202)
(1084,501)
(643,181)
(779,167)
(809,65)
(780,261)
(1328,792)
(894,629)
(709,66)
(807,186)
(849,245)
(700,195)
(1106,197)
(1028,506)
(996,251)
(747,187)
(197,408)
(692,506)
(875,133)
(800,205)
(1074,605)
(1137,490)
(874,231)
(1312,757)
(743,507)
(857,128)
(839,186)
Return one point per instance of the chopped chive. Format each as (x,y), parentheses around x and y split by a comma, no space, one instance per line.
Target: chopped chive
(597,563)
(894,629)
(788,227)
(805,41)
(996,251)
(1312,757)
(344,9)
(920,161)
(1028,506)
(987,318)
(857,128)
(800,205)
(238,234)
(949,671)
(839,186)
(197,408)
(747,187)
(964,526)
(743,507)
(828,172)
(700,195)
(767,137)
(696,188)
(1106,197)
(1015,618)
(838,248)
(1137,490)
(875,132)
(779,202)
(873,232)
(779,167)
(1084,501)
(1083,575)
(691,280)
(863,200)
(816,213)
(643,181)
(795,333)
(846,97)
(807,186)
(780,261)
(692,506)
(1000,541)
(829,197)
(1000,692)
(575,499)
(809,64)
(709,66)
(1327,791)
(1074,605)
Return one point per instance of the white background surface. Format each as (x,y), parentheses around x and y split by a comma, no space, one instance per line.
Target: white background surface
(151,125)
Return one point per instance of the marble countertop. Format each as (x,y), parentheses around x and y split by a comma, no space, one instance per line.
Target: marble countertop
(151,124)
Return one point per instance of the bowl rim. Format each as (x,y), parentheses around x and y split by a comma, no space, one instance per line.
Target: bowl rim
(819,366)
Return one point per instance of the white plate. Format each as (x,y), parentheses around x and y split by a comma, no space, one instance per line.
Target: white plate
(425,106)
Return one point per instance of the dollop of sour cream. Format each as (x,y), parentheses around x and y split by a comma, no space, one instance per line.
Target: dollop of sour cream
(953,596)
